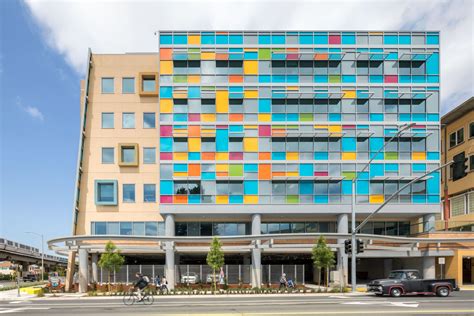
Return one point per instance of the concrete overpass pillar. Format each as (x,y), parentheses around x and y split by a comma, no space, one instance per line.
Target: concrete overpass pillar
(95,271)
(169,251)
(256,277)
(71,269)
(83,270)
(429,222)
(342,259)
(429,267)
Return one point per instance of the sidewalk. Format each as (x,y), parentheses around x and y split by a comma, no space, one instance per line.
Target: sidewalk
(12,295)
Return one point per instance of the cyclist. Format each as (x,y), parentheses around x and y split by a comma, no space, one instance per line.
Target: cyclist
(140,285)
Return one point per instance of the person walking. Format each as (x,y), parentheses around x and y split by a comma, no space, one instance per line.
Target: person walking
(283,281)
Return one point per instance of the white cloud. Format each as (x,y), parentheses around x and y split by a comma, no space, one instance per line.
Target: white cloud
(70,27)
(32,111)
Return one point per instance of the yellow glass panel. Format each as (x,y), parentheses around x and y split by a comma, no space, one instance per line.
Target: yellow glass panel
(349,94)
(292,174)
(194,79)
(293,88)
(222,199)
(180,174)
(292,156)
(250,67)
(348,156)
(194,39)
(250,199)
(222,168)
(418,156)
(180,156)
(222,101)
(208,56)
(335,128)
(166,67)
(251,126)
(222,156)
(251,94)
(180,95)
(320,126)
(208,117)
(194,144)
(251,144)
(264,118)
(166,105)
(376,198)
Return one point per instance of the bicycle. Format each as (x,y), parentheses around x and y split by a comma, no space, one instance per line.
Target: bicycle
(131,297)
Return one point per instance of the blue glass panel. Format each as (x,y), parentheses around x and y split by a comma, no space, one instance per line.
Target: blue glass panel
(348,78)
(208,176)
(376,156)
(419,117)
(376,117)
(419,198)
(251,167)
(434,199)
(348,38)
(321,38)
(433,184)
(418,79)
(405,117)
(321,199)
(264,78)
(362,187)
(392,56)
(321,79)
(264,106)
(376,169)
(278,156)
(321,156)
(419,167)
(334,117)
(166,39)
(250,55)
(306,39)
(194,156)
(250,187)
(432,156)
(433,117)
(278,78)
(376,79)
(364,175)
(349,144)
(166,187)
(306,169)
(404,40)
(194,92)
(180,117)
(376,143)
(432,64)
(306,187)
(278,117)
(222,140)
(180,167)
(278,39)
(194,199)
(222,39)
(236,39)
(180,39)
(208,38)
(346,186)
(236,199)
(390,40)
(432,79)
(292,78)
(432,39)
(236,128)
(391,167)
(404,79)
(166,92)
(166,144)
(264,39)
(292,117)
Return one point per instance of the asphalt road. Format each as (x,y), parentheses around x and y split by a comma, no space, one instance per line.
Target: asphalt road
(461,303)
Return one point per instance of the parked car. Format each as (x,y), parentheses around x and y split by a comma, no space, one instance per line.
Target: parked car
(210,278)
(30,278)
(190,278)
(404,282)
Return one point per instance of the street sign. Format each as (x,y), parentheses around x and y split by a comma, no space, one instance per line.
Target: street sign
(441,260)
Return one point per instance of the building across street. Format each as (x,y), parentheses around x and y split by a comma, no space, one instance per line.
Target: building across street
(256,137)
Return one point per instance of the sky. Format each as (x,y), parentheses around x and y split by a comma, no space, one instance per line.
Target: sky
(43,51)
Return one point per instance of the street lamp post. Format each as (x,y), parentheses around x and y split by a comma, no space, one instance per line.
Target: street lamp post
(353,203)
(42,252)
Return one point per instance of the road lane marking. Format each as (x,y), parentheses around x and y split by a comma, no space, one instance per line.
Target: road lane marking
(21,309)
(397,304)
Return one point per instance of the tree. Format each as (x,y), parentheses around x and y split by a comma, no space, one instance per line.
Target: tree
(111,260)
(215,258)
(322,257)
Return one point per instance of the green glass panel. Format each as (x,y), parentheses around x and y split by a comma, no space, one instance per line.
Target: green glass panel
(292,199)
(349,175)
(194,56)
(306,117)
(391,156)
(180,79)
(334,79)
(236,170)
(264,54)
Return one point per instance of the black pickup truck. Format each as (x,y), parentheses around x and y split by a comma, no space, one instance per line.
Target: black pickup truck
(403,282)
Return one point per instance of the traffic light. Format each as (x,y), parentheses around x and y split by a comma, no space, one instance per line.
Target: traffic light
(459,166)
(347,246)
(360,245)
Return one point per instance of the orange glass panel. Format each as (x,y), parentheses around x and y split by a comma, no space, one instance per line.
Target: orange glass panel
(194,131)
(321,57)
(166,54)
(264,172)
(182,199)
(236,79)
(264,156)
(208,156)
(236,117)
(194,170)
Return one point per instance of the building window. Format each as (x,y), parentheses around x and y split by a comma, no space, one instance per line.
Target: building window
(128,120)
(107,155)
(471,163)
(106,192)
(149,193)
(458,205)
(148,120)
(128,155)
(129,193)
(107,120)
(149,155)
(148,84)
(456,138)
(128,85)
(471,130)
(107,85)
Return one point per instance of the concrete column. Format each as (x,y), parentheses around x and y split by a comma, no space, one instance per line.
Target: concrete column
(83,270)
(95,271)
(169,251)
(342,258)
(387,266)
(429,267)
(429,222)
(71,269)
(256,277)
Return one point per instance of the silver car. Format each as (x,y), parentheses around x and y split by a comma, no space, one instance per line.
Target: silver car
(210,279)
(190,278)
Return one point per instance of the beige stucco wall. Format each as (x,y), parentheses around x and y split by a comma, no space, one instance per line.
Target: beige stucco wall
(118,66)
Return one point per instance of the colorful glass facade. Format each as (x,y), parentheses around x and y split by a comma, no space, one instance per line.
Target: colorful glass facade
(290,117)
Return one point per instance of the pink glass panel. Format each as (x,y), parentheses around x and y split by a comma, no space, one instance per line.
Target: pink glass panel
(334,39)
(291,56)
(264,130)
(194,117)
(166,199)
(166,156)
(391,79)
(236,156)
(166,130)
(321,173)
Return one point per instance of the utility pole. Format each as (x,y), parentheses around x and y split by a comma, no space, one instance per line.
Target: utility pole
(42,252)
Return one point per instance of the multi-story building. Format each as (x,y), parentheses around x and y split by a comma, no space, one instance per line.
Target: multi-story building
(457,139)
(249,133)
